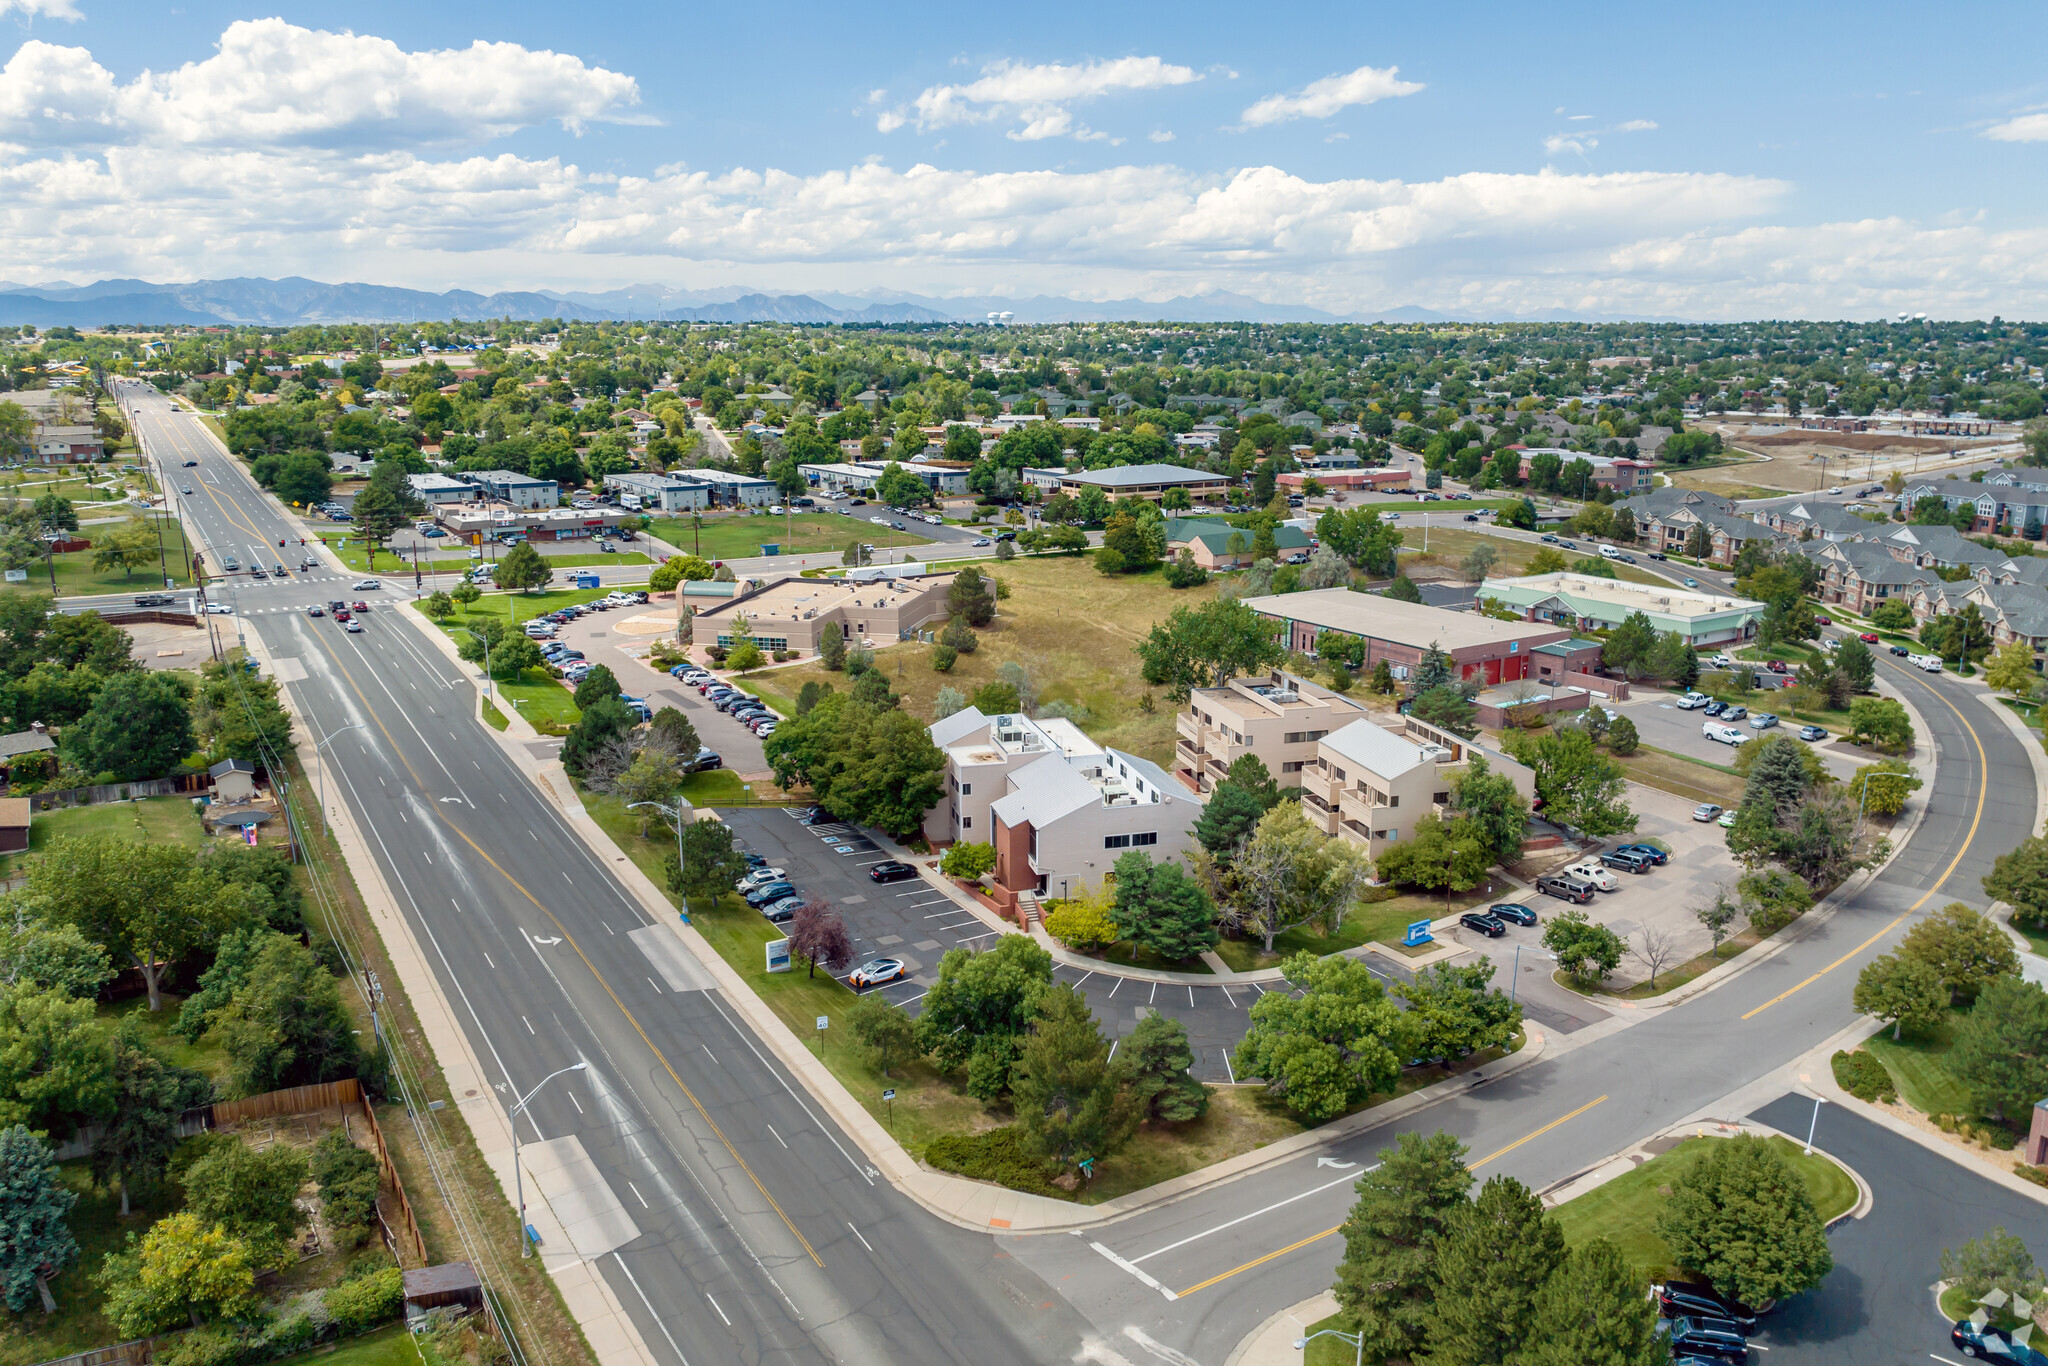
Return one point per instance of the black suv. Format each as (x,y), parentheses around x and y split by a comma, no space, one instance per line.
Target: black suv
(1708,1339)
(1696,1299)
(1514,911)
(1566,888)
(1487,925)
(889,870)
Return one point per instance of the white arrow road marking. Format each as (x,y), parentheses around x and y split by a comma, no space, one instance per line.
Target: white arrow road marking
(538,940)
(1333,1162)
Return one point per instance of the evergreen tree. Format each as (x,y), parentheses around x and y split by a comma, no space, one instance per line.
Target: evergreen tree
(35,1230)
(1156,1058)
(1387,1278)
(1160,907)
(1064,1090)
(1403,589)
(1742,1218)
(832,647)
(150,1096)
(1998,1052)
(1855,664)
(598,725)
(1494,1257)
(1689,676)
(522,568)
(596,686)
(1592,1312)
(971,596)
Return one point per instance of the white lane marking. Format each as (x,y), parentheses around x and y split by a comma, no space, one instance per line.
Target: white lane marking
(1233,1223)
(487,959)
(778,1137)
(650,1308)
(1119,985)
(714,1305)
(638,1196)
(707,1052)
(657,990)
(528,1023)
(1191,996)
(1134,1270)
(863,1242)
(575,1102)
(1228,1070)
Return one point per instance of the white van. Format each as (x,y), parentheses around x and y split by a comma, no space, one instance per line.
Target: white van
(1931,663)
(1609,552)
(1726,735)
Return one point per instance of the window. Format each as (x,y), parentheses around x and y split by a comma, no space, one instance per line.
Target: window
(967,822)
(1294,767)
(967,789)
(1303,737)
(1443,799)
(1116,841)
(1394,800)
(1144,839)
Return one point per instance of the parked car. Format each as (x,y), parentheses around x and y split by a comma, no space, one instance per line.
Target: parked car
(1589,870)
(781,910)
(1648,851)
(1696,1299)
(1736,711)
(1867,637)
(1820,620)
(1724,735)
(1716,708)
(706,759)
(1901,651)
(1625,861)
(1764,720)
(1487,925)
(761,877)
(1512,911)
(1705,811)
(1727,821)
(1693,701)
(1776,666)
(1812,733)
(770,891)
(1708,1338)
(890,870)
(876,972)
(1995,1344)
(1566,889)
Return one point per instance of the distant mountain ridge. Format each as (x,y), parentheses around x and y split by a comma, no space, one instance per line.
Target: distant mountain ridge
(296,300)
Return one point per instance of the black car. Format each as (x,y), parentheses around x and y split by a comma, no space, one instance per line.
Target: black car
(752,859)
(1514,911)
(1566,889)
(1696,1299)
(1901,651)
(818,815)
(769,892)
(1550,540)
(1648,851)
(1994,1343)
(1707,1338)
(706,759)
(891,871)
(1487,925)
(1714,708)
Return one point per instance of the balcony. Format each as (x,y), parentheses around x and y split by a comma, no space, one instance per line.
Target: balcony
(1354,805)
(1190,751)
(1189,726)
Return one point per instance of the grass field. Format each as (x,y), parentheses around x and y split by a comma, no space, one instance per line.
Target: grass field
(1918,1063)
(1383,922)
(1682,776)
(356,556)
(1449,547)
(1073,630)
(153,820)
(390,1346)
(740,535)
(77,578)
(1625,1210)
(538,696)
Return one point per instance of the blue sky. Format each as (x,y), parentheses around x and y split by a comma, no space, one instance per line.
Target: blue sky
(1731,161)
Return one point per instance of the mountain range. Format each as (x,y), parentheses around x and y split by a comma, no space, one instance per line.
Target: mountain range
(295,300)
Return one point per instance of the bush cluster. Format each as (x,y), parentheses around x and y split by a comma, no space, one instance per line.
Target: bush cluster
(1863,1076)
(998,1155)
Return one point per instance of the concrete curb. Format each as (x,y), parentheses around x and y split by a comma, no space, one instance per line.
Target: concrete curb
(1272,1342)
(610,1331)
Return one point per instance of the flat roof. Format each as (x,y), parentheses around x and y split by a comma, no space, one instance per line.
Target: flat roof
(792,599)
(1406,623)
(503,477)
(1667,599)
(1127,476)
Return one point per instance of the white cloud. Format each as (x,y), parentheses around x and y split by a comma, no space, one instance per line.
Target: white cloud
(1560,142)
(1163,135)
(1320,99)
(275,84)
(1036,95)
(42,9)
(2020,128)
(1636,126)
(1581,141)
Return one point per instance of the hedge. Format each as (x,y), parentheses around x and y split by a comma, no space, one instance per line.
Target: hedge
(1863,1076)
(997,1155)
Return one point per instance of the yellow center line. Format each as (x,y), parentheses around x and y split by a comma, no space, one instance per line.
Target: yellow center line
(661,1057)
(1318,1237)
(1983,790)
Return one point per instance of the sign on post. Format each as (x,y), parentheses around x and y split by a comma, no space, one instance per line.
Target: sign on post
(1418,934)
(778,955)
(823,1021)
(889,1094)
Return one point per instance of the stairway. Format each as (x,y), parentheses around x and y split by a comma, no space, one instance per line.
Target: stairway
(1028,913)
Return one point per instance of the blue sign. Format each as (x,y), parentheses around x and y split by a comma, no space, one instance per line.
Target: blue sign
(1418,934)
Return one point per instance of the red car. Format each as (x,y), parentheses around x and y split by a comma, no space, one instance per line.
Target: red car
(1776,666)
(1824,621)
(341,615)
(1868,638)
(360,606)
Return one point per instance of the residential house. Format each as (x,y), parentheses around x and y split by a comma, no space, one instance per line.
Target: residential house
(1609,472)
(1209,542)
(1829,521)
(1861,574)
(1937,547)
(1278,717)
(1665,518)
(1058,808)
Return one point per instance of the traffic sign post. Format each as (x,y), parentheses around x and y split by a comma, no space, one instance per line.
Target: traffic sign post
(889,1099)
(822,1022)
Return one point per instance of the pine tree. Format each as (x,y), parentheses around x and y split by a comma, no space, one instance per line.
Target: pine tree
(1495,1256)
(35,1235)
(1388,1275)
(832,647)
(1592,1312)
(1156,1057)
(1742,1218)
(1062,1085)
(1160,907)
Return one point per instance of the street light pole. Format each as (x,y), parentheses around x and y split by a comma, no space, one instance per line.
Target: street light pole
(674,813)
(519,1176)
(1355,1339)
(321,797)
(1813,1124)
(487,658)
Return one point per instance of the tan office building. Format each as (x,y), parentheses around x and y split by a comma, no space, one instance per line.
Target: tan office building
(1370,784)
(789,613)
(1279,717)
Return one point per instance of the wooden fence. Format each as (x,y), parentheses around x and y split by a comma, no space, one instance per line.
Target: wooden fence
(120,1354)
(406,1237)
(194,783)
(293,1101)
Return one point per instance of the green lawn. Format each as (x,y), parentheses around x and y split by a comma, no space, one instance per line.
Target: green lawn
(1625,1210)
(1918,1063)
(740,535)
(78,1325)
(391,1346)
(154,820)
(205,1056)
(356,556)
(77,578)
(538,696)
(1384,922)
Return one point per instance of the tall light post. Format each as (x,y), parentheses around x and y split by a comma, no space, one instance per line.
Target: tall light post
(322,795)
(1355,1339)
(487,658)
(674,813)
(518,1175)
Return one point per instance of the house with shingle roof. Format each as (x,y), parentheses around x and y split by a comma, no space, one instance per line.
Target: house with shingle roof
(1859,575)
(1208,542)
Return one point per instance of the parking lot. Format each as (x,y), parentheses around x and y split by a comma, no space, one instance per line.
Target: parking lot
(1660,723)
(918,922)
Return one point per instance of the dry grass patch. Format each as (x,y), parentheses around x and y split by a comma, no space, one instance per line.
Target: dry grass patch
(1450,547)
(1073,629)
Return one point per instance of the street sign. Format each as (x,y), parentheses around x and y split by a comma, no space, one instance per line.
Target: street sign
(889,1094)
(823,1021)
(778,955)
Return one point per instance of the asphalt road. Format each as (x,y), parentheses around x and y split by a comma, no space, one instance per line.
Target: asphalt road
(839,1266)
(1878,1303)
(761,1234)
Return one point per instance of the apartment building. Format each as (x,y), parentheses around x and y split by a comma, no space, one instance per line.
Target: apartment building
(1058,808)
(1370,782)
(1279,717)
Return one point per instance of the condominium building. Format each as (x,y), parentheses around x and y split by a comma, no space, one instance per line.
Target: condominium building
(1279,717)
(1370,783)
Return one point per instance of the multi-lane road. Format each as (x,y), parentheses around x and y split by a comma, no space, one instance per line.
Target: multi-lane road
(758,1232)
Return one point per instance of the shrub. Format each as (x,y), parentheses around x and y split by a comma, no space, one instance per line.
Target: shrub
(204,1347)
(999,1155)
(943,658)
(359,1305)
(348,1180)
(1081,924)
(1863,1076)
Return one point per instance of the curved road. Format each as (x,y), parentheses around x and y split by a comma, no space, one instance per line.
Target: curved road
(760,1235)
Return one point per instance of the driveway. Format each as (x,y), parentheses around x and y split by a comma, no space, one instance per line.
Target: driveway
(1877,1305)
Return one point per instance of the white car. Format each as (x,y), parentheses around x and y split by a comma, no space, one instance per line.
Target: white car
(366,585)
(1693,701)
(219,609)
(1726,735)
(760,877)
(1590,870)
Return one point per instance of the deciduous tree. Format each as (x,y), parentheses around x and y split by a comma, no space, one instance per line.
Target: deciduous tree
(183,1270)
(1966,949)
(1205,646)
(1741,1217)
(818,935)
(1900,991)
(976,1013)
(1328,1049)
